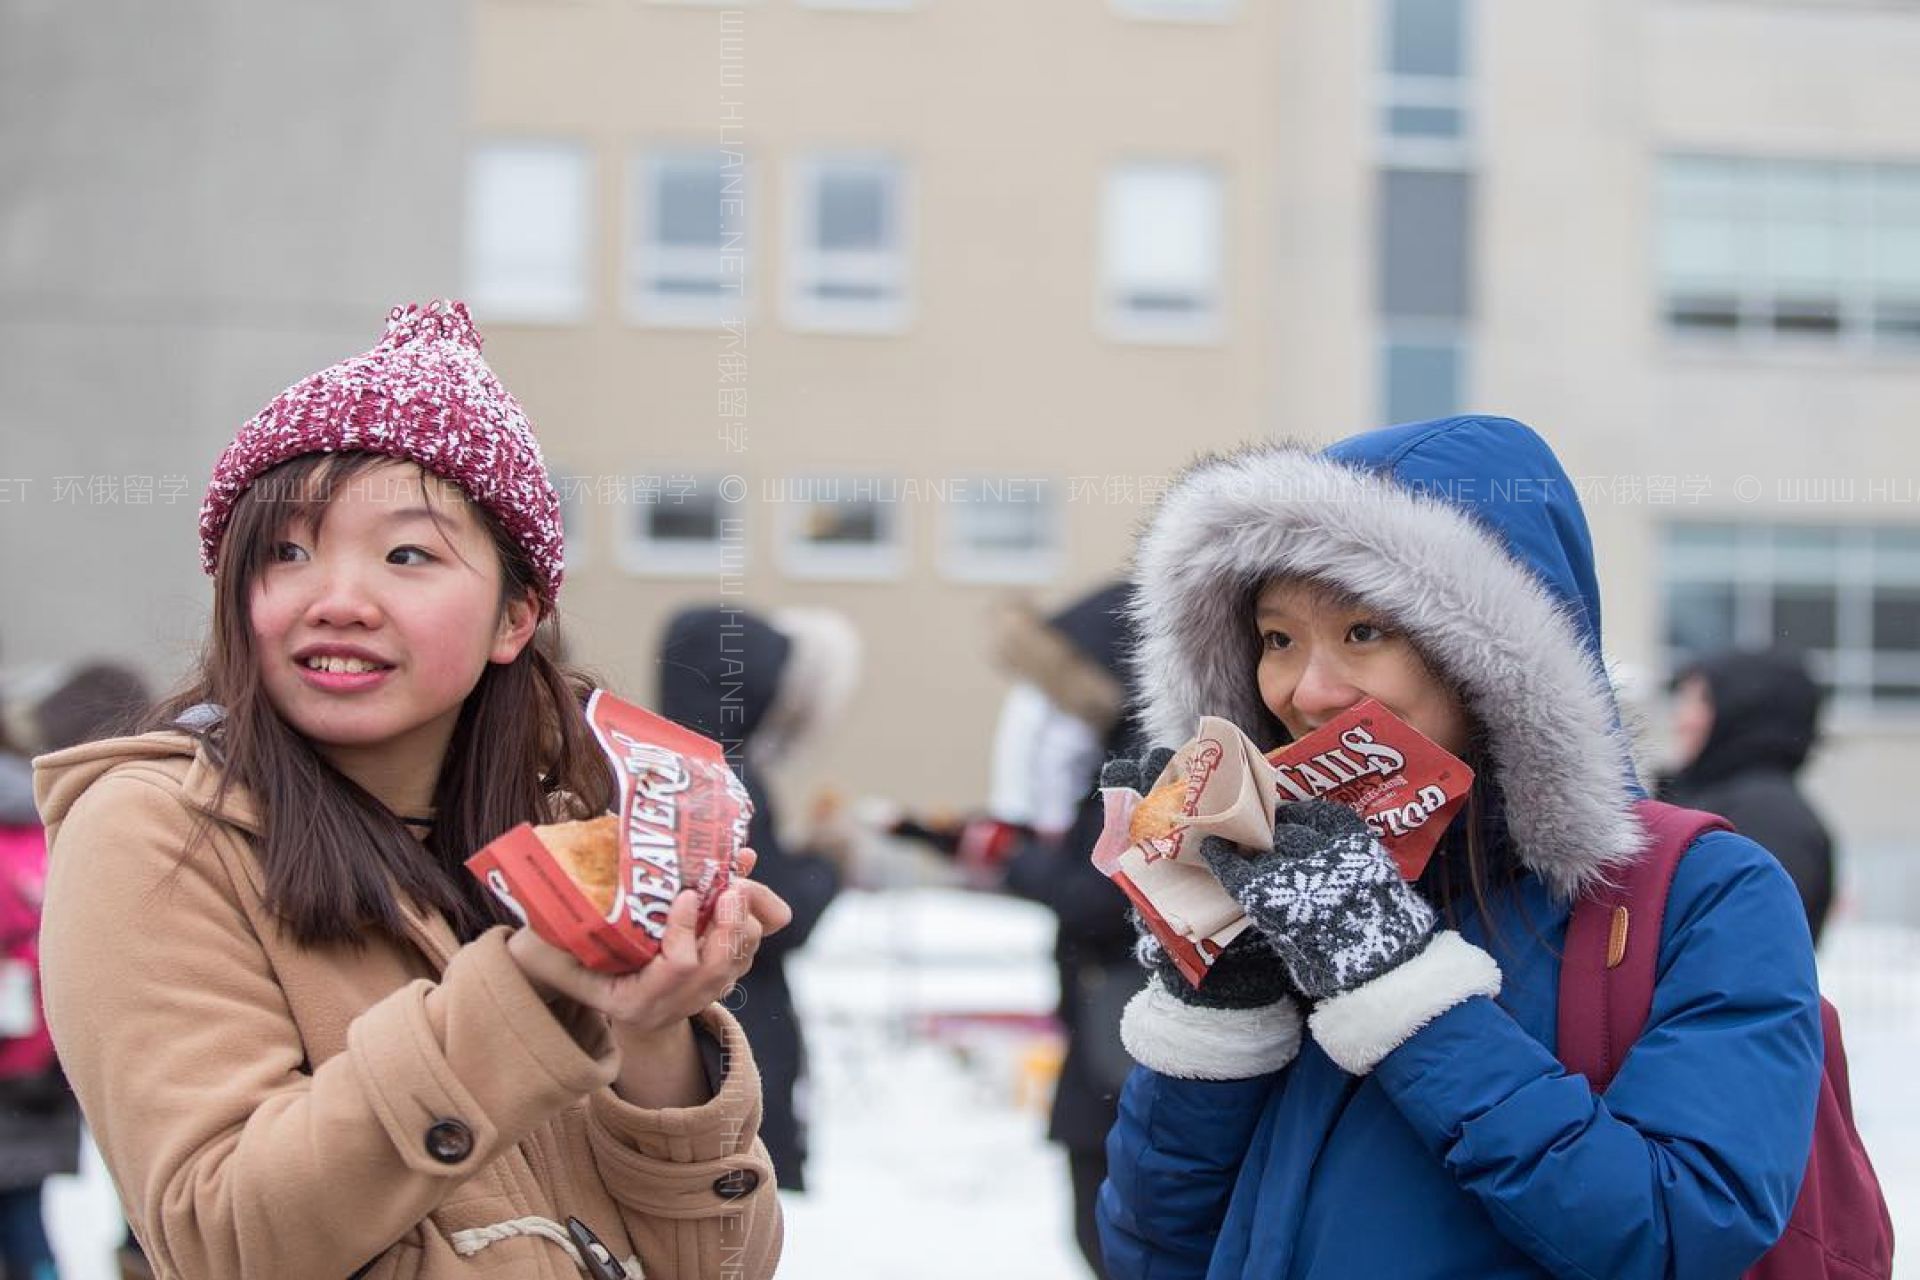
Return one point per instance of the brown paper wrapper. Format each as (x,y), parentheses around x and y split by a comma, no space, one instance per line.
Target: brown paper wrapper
(1405,786)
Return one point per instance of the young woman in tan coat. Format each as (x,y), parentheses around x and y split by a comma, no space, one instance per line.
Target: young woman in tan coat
(308,1044)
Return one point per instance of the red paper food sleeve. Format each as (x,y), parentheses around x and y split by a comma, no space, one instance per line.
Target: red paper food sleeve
(683,817)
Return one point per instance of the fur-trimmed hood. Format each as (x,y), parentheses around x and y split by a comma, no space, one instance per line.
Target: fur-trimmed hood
(1464,531)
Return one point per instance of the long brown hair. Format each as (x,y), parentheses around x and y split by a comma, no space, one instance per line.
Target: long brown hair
(335,860)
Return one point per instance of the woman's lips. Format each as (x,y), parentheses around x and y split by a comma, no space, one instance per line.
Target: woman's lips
(342,681)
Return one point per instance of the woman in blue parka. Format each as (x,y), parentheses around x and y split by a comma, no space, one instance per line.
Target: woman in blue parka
(1418,1123)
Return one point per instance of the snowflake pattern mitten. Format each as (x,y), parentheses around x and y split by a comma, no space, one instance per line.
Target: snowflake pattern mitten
(1327,898)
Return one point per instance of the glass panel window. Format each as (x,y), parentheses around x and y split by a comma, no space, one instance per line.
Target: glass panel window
(1699,617)
(1161,253)
(1178,10)
(681,523)
(1425,260)
(1425,113)
(848,528)
(528,229)
(1896,619)
(686,257)
(1426,38)
(1002,530)
(1790,250)
(847,244)
(1847,596)
(1423,378)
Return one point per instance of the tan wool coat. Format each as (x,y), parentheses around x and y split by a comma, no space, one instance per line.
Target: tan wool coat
(273,1110)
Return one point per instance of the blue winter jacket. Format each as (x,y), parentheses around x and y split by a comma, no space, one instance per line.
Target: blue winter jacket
(1469,1150)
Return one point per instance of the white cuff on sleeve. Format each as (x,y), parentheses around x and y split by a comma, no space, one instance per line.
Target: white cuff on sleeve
(1195,1043)
(1366,1024)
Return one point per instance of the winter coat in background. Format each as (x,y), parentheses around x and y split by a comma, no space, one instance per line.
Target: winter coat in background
(1468,1150)
(1093,947)
(736,678)
(1766,711)
(269,1109)
(39,1118)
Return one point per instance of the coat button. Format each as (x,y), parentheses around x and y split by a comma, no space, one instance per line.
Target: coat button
(731,1186)
(449,1141)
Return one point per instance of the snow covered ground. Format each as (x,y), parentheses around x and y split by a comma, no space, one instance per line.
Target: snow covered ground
(930,1158)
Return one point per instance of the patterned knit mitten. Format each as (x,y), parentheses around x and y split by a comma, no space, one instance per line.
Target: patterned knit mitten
(1327,898)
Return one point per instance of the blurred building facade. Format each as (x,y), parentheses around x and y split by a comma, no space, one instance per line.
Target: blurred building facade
(202,202)
(898,305)
(950,290)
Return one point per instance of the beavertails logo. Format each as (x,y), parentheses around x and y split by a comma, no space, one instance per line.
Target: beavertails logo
(1359,755)
(660,777)
(1206,758)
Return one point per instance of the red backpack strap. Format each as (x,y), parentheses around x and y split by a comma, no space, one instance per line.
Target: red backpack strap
(1613,946)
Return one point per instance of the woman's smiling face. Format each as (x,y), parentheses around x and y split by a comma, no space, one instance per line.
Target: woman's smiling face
(373,624)
(1321,652)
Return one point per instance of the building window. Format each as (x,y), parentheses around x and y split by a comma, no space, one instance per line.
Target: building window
(847,528)
(998,529)
(682,523)
(528,229)
(1790,251)
(1425,290)
(1178,10)
(686,258)
(1426,258)
(847,250)
(1425,112)
(575,492)
(1162,254)
(1848,596)
(1425,218)
(1424,370)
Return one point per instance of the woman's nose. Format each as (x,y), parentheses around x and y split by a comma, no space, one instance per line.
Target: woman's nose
(343,599)
(1324,690)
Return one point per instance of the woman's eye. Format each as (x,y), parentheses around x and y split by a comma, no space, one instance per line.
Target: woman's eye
(1275,640)
(1362,632)
(284,552)
(409,556)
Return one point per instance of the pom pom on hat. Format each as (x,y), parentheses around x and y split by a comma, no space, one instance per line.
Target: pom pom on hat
(423,394)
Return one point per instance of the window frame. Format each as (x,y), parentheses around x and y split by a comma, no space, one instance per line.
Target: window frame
(887,560)
(576,299)
(640,554)
(1118,322)
(641,301)
(806,265)
(961,562)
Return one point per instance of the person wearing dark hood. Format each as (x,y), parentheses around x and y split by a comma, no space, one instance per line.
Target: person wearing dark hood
(1066,713)
(1743,726)
(1077,658)
(764,688)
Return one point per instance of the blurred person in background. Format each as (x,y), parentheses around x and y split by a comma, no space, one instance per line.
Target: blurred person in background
(1066,714)
(95,702)
(39,1120)
(39,1117)
(767,689)
(1743,725)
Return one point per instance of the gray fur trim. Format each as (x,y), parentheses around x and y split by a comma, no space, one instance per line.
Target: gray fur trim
(1192,1042)
(1232,523)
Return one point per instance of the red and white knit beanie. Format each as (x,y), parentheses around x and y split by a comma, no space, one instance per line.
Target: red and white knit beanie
(424,394)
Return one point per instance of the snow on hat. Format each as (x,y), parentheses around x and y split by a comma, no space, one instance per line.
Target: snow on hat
(423,394)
